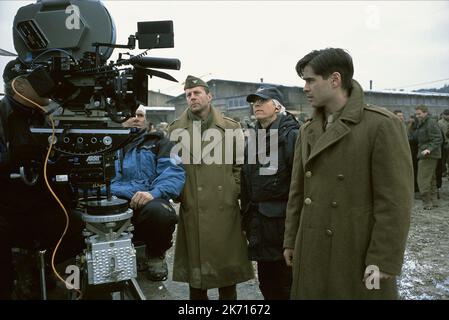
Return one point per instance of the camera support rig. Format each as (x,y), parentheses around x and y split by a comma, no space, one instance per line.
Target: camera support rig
(69,67)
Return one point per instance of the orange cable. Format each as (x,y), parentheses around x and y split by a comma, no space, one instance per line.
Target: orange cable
(52,192)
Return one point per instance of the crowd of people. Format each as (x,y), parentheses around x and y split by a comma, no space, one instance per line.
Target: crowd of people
(328,221)
(429,146)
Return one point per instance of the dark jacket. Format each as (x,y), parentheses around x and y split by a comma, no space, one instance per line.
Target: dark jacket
(145,165)
(18,148)
(264,197)
(429,137)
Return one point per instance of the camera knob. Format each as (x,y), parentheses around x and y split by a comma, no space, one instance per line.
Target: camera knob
(14,176)
(54,140)
(107,141)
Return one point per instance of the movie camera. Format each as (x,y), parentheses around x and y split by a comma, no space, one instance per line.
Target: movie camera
(64,47)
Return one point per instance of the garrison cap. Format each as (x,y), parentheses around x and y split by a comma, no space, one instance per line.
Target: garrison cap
(192,82)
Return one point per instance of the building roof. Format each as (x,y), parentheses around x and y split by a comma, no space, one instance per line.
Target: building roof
(413,93)
(422,94)
(209,82)
(158,108)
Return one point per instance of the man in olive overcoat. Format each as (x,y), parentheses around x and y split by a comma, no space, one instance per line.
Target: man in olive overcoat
(210,249)
(350,198)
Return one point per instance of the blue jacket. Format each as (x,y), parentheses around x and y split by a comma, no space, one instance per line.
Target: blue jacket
(145,165)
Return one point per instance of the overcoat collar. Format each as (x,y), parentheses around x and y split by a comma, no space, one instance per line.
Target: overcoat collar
(218,120)
(185,123)
(318,140)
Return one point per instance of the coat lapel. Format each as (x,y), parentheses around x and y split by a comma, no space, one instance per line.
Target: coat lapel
(218,123)
(335,133)
(187,124)
(319,140)
(187,144)
(314,132)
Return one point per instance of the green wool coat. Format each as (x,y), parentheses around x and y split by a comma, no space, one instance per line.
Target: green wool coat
(210,249)
(349,204)
(429,137)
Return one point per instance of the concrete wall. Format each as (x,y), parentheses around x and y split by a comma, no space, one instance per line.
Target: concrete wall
(157,99)
(407,102)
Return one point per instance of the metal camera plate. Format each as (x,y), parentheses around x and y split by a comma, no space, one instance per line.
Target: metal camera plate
(111,261)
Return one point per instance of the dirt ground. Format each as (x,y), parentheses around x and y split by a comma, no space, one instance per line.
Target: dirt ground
(425,274)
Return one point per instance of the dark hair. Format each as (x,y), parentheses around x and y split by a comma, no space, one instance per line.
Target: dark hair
(327,61)
(397,111)
(423,108)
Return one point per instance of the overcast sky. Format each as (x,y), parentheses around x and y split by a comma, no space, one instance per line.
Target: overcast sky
(395,44)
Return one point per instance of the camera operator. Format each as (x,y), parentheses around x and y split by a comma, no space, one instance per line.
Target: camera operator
(29,216)
(148,178)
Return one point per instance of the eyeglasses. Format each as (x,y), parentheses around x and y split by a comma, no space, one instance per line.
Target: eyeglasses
(259,102)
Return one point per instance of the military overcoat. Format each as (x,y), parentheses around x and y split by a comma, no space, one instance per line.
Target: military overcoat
(350,202)
(210,249)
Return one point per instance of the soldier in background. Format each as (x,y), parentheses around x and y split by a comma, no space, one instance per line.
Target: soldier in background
(444,125)
(430,140)
(412,125)
(400,115)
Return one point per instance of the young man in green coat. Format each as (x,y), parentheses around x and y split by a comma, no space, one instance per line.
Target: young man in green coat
(210,249)
(348,212)
(430,140)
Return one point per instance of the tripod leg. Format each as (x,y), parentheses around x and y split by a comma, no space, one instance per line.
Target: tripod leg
(43,283)
(136,290)
(118,295)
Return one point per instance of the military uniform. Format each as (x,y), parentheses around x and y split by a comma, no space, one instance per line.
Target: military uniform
(349,203)
(210,249)
(444,125)
(429,137)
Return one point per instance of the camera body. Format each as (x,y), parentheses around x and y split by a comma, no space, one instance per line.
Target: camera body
(64,45)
